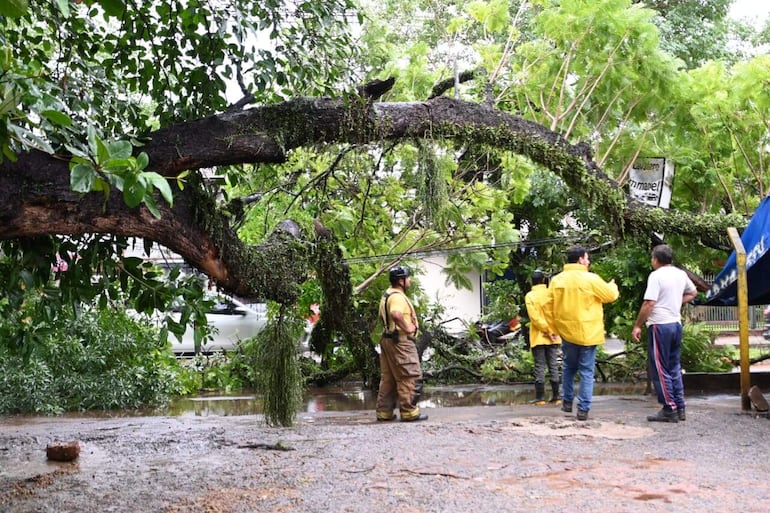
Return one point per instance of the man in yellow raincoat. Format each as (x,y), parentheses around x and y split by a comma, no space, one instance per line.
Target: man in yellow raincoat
(576,305)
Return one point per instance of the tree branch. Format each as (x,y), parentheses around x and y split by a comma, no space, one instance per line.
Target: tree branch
(35,195)
(449,83)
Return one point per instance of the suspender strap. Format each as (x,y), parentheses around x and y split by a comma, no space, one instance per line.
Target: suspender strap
(386,295)
(393,335)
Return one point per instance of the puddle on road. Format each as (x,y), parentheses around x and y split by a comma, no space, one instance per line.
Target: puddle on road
(337,399)
(352,398)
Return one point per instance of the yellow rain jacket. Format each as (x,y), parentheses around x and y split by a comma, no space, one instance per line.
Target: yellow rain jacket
(540,325)
(575,305)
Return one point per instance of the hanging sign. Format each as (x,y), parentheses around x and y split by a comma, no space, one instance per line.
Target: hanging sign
(650,181)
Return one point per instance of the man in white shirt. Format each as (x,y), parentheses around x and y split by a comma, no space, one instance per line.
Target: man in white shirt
(667,288)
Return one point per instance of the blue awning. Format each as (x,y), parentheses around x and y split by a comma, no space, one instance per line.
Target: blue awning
(756,242)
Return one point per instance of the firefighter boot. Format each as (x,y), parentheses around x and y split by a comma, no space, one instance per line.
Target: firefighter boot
(418,387)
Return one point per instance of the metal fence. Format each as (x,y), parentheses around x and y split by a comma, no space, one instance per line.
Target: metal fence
(725,318)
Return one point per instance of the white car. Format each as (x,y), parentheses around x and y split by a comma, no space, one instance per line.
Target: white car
(230,321)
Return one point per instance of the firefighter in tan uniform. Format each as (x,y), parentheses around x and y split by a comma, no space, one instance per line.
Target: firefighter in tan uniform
(399,363)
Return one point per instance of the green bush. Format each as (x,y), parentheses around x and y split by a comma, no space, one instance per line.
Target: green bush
(86,360)
(700,354)
(504,299)
(224,371)
(510,363)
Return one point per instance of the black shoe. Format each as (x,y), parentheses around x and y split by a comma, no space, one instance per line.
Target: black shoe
(682,416)
(566,406)
(418,418)
(539,399)
(582,414)
(664,415)
(554,392)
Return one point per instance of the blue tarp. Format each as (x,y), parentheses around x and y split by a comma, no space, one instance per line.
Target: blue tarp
(756,242)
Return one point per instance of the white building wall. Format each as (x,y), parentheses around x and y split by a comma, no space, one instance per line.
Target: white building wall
(464,304)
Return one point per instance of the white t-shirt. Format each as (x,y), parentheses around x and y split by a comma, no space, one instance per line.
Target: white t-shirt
(666,285)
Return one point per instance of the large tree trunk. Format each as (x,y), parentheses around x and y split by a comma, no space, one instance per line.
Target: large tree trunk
(35,198)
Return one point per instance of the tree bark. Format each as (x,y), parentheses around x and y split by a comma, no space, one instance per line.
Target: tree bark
(35,197)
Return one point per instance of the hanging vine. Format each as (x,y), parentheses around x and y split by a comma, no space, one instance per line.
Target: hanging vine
(338,318)
(278,375)
(433,186)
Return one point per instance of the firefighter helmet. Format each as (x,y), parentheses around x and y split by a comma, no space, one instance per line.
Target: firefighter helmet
(398,272)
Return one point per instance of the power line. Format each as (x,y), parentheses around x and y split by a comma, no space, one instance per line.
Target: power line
(462,249)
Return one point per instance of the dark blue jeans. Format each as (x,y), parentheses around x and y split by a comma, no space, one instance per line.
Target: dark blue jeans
(664,346)
(578,359)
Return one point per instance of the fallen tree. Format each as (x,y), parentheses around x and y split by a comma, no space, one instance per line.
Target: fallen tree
(112,69)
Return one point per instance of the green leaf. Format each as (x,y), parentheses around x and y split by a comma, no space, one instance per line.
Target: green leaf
(120,149)
(142,161)
(162,185)
(180,179)
(92,139)
(77,152)
(149,202)
(13,8)
(132,264)
(478,10)
(64,7)
(100,184)
(82,178)
(6,58)
(30,139)
(118,181)
(133,191)
(113,7)
(116,165)
(28,279)
(102,151)
(59,118)
(11,97)
(9,154)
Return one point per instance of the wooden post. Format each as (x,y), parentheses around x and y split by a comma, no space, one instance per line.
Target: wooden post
(743,316)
